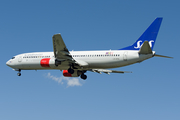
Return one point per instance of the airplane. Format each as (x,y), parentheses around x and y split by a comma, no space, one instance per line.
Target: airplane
(77,63)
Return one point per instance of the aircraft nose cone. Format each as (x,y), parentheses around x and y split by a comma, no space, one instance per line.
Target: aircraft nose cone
(8,63)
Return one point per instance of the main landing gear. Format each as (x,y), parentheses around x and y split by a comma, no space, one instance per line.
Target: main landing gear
(19,73)
(83,76)
(70,70)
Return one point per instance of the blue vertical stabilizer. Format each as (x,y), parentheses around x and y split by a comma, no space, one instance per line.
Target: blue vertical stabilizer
(149,35)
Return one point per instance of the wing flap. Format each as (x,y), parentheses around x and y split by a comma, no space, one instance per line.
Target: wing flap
(108,71)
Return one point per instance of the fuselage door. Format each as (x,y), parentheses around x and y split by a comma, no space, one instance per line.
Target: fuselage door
(125,56)
(20,59)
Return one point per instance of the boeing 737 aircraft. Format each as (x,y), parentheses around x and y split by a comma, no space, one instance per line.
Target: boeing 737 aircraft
(77,63)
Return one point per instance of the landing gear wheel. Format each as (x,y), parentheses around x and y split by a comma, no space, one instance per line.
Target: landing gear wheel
(19,74)
(71,71)
(83,76)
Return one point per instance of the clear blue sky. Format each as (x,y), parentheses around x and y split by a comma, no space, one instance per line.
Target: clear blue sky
(151,92)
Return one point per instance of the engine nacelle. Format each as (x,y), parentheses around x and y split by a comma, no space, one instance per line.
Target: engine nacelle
(47,63)
(76,73)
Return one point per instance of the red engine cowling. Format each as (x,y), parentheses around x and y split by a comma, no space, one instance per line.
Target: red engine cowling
(76,73)
(47,63)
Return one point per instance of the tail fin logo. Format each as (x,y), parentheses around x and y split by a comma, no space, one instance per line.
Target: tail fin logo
(149,35)
(139,44)
(150,43)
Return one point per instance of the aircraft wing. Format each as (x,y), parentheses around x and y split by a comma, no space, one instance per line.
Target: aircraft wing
(60,50)
(108,71)
(62,54)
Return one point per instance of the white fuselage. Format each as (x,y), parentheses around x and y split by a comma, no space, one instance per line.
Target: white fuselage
(88,59)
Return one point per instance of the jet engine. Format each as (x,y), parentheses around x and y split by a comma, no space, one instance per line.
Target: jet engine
(48,62)
(76,73)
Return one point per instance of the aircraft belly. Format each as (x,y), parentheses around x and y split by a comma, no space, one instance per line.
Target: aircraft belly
(106,64)
(118,62)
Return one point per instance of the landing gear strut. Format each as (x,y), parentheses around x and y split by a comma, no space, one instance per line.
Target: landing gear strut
(71,69)
(19,73)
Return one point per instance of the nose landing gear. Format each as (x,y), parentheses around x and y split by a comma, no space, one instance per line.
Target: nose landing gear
(19,73)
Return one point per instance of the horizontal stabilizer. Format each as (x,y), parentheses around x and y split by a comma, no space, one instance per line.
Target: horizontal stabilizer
(162,56)
(145,48)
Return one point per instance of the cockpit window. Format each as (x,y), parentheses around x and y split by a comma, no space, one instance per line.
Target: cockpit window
(13,57)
